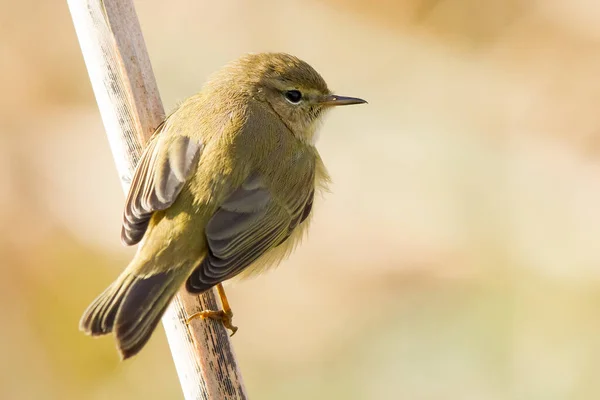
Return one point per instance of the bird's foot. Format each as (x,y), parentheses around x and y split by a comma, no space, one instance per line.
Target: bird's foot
(225,316)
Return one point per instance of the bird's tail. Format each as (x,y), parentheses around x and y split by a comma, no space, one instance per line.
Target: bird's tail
(131,307)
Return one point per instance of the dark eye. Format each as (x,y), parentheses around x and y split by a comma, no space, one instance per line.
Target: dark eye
(293,96)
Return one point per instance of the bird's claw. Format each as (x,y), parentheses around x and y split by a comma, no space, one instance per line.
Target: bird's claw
(224,316)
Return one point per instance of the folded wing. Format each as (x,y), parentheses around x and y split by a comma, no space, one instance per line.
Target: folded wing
(159,177)
(248,224)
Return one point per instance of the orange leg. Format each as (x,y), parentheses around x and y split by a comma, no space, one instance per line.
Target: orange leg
(225,315)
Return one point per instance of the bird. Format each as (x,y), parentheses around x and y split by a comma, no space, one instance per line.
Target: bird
(224,189)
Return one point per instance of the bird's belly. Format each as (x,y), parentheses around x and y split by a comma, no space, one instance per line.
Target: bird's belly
(272,257)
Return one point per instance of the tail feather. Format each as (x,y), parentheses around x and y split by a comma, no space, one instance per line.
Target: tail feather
(99,318)
(131,308)
(142,309)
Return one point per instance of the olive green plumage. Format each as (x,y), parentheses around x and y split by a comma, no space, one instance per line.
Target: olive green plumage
(225,187)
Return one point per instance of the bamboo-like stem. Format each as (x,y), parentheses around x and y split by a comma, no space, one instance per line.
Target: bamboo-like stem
(123,82)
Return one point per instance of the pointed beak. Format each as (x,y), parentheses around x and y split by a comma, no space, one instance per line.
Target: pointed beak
(335,100)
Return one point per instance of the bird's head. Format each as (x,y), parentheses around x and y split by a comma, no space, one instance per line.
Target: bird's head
(291,87)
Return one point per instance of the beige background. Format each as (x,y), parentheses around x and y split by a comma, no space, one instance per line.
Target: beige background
(458,256)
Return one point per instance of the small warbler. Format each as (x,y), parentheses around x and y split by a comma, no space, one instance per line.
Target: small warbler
(224,188)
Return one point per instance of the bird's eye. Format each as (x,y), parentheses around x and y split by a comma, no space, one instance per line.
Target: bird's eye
(293,96)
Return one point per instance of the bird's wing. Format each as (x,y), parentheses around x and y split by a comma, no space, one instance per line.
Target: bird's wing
(250,222)
(159,176)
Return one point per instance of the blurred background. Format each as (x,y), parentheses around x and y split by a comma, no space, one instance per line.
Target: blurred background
(458,256)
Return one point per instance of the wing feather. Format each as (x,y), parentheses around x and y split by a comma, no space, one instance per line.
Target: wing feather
(159,177)
(247,225)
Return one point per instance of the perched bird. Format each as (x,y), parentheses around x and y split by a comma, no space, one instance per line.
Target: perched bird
(224,188)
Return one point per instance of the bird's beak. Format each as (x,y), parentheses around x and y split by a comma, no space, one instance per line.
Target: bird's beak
(335,100)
